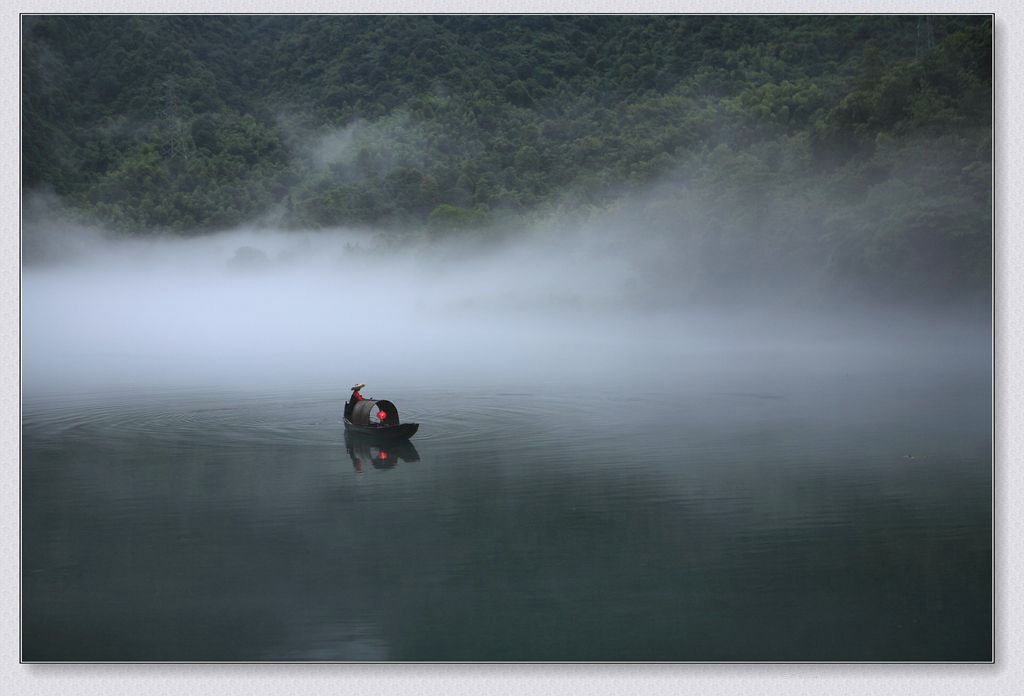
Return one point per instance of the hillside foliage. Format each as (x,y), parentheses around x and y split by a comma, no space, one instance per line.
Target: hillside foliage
(856,146)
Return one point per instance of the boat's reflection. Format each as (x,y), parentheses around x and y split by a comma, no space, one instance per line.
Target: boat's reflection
(379,455)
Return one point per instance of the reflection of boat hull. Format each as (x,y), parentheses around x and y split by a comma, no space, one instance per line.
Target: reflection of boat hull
(402,431)
(401,449)
(383,454)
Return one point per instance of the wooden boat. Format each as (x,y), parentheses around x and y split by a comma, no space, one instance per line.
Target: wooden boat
(401,431)
(378,418)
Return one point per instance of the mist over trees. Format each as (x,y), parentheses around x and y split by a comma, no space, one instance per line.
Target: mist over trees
(855,149)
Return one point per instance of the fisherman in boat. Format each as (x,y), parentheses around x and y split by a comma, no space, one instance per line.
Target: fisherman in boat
(375,417)
(356,397)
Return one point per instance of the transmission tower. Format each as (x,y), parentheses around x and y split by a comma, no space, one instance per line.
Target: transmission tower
(176,144)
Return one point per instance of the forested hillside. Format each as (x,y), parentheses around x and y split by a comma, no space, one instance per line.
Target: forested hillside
(856,146)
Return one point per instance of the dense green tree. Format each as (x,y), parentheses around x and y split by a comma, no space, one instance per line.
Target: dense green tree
(841,140)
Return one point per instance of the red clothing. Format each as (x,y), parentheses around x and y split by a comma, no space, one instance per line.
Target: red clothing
(356,397)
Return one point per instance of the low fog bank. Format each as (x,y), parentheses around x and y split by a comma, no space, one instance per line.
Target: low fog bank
(567,299)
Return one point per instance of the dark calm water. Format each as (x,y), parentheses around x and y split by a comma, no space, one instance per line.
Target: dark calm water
(830,516)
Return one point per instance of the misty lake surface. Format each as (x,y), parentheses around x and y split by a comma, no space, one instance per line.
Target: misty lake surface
(771,514)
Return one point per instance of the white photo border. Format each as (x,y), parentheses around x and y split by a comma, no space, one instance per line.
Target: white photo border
(1004,676)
